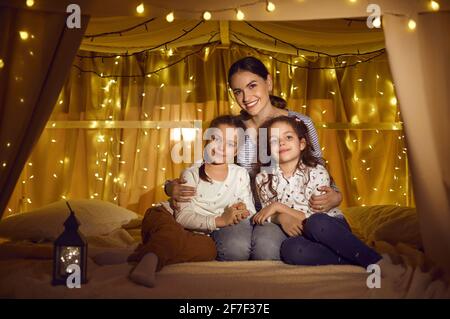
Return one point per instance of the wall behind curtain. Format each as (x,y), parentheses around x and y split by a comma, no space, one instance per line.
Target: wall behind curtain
(128,166)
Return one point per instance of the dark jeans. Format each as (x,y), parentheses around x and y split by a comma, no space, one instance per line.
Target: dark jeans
(327,241)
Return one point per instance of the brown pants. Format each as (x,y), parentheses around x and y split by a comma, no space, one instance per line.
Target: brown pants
(168,240)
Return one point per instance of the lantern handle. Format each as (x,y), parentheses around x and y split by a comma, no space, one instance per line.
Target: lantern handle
(70,208)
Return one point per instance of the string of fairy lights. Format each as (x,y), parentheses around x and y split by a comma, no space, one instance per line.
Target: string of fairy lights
(109,154)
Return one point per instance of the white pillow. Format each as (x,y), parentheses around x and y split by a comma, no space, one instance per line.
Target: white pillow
(96,217)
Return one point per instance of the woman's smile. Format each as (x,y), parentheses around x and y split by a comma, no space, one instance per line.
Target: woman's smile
(251,104)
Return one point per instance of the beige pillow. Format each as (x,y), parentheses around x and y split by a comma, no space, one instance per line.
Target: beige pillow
(96,218)
(389,223)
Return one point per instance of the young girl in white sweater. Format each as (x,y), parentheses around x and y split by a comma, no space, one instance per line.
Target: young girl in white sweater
(223,198)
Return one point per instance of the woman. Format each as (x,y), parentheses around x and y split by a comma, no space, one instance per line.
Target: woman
(251,84)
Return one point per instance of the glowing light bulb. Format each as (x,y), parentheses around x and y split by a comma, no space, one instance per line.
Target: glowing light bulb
(2,64)
(140,8)
(240,15)
(170,17)
(412,24)
(434,5)
(393,101)
(24,35)
(270,7)
(30,3)
(207,15)
(376,22)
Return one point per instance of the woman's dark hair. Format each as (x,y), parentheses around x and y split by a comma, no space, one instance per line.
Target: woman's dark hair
(255,66)
(307,158)
(229,120)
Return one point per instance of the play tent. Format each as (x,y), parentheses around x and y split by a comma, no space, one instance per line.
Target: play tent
(38,51)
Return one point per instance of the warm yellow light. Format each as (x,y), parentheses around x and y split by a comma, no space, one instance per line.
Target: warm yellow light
(207,15)
(434,5)
(270,7)
(170,17)
(376,22)
(240,15)
(2,64)
(352,1)
(170,52)
(23,35)
(412,24)
(30,3)
(393,101)
(140,8)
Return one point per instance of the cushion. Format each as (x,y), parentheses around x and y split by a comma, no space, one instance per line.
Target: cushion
(389,223)
(96,218)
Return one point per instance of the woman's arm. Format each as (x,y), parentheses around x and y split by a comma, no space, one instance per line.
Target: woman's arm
(322,197)
(186,214)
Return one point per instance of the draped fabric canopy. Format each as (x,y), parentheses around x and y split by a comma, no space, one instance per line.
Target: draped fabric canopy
(36,51)
(329,36)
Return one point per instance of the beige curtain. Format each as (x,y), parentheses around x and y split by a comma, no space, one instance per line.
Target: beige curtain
(36,51)
(420,65)
(354,110)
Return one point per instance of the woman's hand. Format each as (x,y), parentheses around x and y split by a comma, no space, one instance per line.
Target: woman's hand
(293,226)
(265,213)
(179,193)
(323,203)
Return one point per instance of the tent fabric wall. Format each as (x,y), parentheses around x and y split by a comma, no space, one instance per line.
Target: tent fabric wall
(37,52)
(420,68)
(96,161)
(419,90)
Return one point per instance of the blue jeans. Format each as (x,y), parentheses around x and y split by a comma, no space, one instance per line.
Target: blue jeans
(245,241)
(327,241)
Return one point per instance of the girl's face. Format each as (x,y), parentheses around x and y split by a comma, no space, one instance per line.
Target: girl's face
(251,91)
(223,145)
(285,144)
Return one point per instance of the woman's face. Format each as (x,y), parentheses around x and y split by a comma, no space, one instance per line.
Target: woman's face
(285,145)
(223,145)
(251,91)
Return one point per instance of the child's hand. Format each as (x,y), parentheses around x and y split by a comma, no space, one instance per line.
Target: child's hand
(293,226)
(232,215)
(262,216)
(242,208)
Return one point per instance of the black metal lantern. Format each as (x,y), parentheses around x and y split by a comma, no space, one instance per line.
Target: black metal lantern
(70,248)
